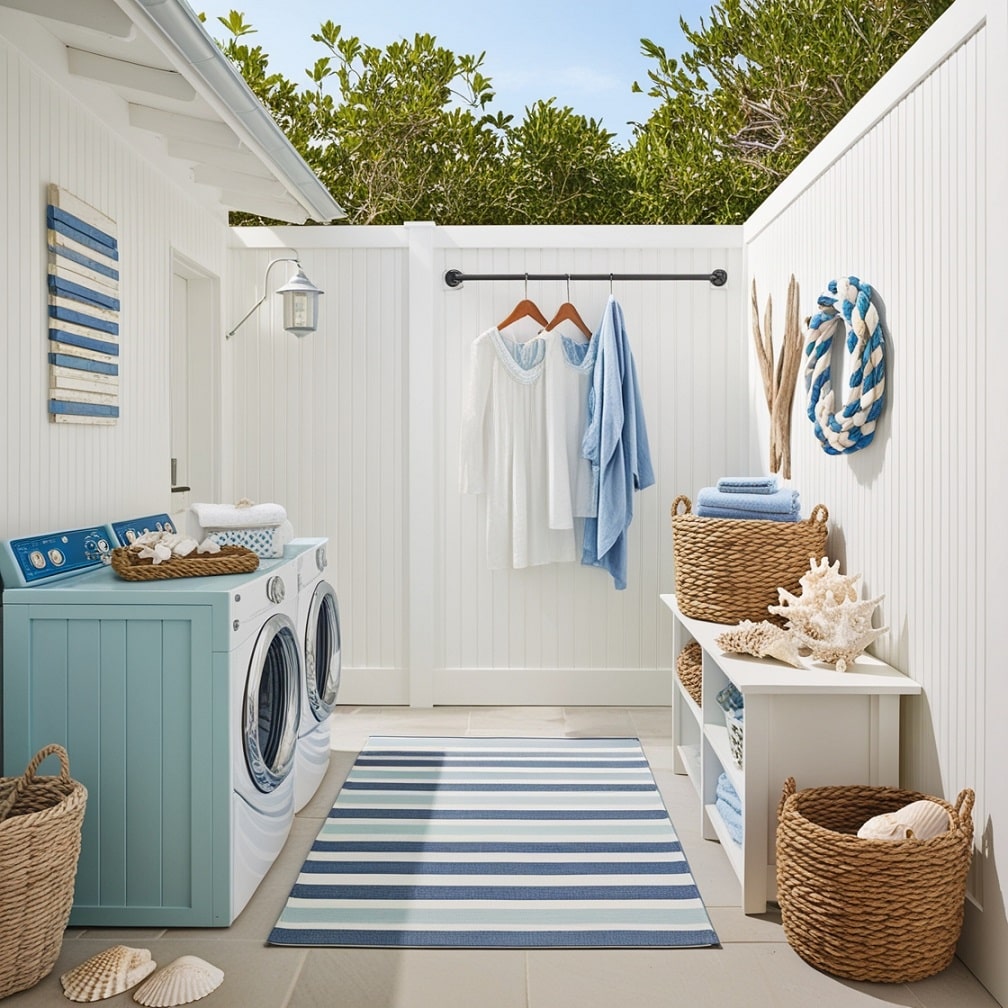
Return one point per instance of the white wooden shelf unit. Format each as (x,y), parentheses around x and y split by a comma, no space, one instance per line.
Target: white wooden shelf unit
(813,723)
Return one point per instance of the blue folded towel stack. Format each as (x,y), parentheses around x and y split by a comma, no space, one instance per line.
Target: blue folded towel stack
(748,484)
(729,806)
(780,505)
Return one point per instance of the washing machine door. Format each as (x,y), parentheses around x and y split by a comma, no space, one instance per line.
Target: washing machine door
(323,660)
(272,709)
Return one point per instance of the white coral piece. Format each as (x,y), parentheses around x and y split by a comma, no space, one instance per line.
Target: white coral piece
(829,618)
(762,640)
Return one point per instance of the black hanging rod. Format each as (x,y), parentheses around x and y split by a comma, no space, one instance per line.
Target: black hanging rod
(717,278)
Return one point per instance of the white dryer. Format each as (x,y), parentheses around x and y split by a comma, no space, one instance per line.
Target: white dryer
(319,629)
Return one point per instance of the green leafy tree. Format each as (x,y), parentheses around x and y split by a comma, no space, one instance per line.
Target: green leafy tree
(763,82)
(409,133)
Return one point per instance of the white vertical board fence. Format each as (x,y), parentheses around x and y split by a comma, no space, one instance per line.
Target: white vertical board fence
(356,430)
(66,475)
(902,194)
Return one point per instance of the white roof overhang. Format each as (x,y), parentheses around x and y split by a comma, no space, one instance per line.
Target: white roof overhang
(174,83)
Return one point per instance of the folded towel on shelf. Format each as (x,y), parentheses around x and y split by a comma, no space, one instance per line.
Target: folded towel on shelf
(243,515)
(731,818)
(726,792)
(748,484)
(782,506)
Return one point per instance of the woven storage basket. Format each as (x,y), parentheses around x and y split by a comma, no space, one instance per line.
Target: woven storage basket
(40,839)
(881,910)
(728,570)
(230,560)
(689,668)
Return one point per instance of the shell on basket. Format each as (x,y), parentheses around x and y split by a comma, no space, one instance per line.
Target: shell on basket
(829,618)
(186,979)
(108,973)
(761,640)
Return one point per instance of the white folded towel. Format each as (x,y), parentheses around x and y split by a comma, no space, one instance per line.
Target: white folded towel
(239,516)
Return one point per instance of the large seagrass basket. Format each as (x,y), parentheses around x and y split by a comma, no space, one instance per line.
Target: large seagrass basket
(40,839)
(888,911)
(728,570)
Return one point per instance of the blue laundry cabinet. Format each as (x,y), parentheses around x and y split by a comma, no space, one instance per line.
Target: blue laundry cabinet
(133,694)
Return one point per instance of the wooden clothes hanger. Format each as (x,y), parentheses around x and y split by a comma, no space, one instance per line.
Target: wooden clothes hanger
(570,313)
(524,309)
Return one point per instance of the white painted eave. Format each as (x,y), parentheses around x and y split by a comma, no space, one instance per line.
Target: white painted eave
(157,59)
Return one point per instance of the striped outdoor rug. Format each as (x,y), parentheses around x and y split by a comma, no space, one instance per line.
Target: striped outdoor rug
(497,842)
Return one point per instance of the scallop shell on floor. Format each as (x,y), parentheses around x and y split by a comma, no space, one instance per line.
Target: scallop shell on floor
(187,979)
(107,973)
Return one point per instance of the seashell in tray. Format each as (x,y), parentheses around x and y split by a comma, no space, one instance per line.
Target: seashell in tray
(108,973)
(762,640)
(829,618)
(187,979)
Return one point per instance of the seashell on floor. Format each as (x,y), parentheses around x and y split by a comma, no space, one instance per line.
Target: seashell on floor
(108,973)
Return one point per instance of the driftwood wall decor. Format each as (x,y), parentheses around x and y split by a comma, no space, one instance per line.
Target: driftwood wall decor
(779,382)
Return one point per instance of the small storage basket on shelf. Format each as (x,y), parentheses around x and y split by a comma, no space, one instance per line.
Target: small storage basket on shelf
(689,668)
(728,569)
(887,911)
(736,735)
(40,839)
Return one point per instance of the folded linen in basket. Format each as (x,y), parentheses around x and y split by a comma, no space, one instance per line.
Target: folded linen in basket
(732,820)
(748,484)
(239,516)
(727,793)
(782,506)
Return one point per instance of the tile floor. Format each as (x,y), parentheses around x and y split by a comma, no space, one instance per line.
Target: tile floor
(754,967)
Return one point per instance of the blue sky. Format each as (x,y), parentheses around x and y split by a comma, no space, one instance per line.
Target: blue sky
(586,54)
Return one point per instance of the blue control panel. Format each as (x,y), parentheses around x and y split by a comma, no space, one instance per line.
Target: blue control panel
(43,558)
(128,530)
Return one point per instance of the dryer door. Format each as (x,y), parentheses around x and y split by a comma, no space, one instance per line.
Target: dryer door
(272,709)
(323,660)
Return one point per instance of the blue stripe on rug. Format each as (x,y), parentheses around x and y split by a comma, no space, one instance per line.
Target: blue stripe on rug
(558,843)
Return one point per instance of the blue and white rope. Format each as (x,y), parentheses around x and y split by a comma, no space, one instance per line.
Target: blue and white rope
(850,430)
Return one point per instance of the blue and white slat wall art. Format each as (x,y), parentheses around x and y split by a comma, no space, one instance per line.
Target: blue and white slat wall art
(83,312)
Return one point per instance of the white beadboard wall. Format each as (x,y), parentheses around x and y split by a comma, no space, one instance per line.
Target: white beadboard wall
(356,429)
(66,475)
(906,194)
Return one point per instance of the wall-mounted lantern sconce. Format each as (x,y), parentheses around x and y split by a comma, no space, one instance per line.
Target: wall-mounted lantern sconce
(300,302)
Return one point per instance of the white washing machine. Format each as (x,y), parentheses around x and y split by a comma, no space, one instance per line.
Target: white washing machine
(179,702)
(319,629)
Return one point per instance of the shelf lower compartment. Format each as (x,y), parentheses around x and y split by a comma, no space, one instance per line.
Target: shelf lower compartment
(690,756)
(732,850)
(717,736)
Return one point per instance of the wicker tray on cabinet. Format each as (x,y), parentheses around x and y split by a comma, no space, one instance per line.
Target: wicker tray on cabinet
(230,560)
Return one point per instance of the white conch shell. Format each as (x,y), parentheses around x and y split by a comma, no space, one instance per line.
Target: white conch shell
(107,973)
(161,553)
(829,618)
(920,820)
(184,547)
(761,640)
(188,978)
(208,546)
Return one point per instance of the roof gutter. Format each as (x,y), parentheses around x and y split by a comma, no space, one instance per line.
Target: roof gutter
(178,27)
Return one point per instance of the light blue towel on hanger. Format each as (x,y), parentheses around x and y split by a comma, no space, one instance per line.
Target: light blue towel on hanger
(616,444)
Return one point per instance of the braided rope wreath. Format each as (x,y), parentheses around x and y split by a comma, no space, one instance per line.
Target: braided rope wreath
(850,430)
